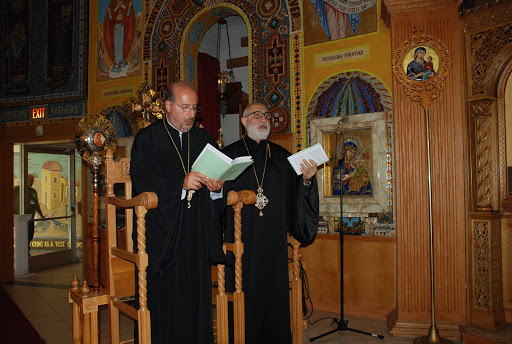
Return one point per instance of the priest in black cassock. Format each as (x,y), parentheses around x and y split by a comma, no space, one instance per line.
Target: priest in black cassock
(180,235)
(285,202)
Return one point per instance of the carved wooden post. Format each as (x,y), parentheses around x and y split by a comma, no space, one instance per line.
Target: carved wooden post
(77,331)
(296,294)
(486,261)
(110,217)
(86,324)
(222,306)
(237,201)
(144,315)
(486,154)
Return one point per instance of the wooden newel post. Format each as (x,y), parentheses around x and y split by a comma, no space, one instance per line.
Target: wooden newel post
(296,293)
(144,331)
(237,201)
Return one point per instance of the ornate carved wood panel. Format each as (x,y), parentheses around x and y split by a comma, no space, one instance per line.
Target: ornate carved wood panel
(486,153)
(487,287)
(488,39)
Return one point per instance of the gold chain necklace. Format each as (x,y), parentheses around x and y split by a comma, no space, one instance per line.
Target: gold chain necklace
(187,171)
(261,199)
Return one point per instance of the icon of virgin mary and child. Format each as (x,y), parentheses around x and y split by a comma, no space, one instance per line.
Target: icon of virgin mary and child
(421,68)
(355,180)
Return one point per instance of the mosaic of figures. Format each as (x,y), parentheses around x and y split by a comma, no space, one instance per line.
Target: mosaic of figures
(43,55)
(180,27)
(119,39)
(329,20)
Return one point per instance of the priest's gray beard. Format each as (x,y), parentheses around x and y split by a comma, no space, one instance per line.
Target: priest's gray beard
(258,132)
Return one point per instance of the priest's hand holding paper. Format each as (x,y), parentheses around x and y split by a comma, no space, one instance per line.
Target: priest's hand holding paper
(194,181)
(308,170)
(213,185)
(219,167)
(306,161)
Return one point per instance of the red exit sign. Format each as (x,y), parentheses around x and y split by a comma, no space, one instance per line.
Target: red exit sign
(38,112)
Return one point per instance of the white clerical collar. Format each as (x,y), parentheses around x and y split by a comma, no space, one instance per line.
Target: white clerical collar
(179,132)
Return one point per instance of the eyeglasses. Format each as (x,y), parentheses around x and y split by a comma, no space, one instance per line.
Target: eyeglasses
(187,108)
(259,114)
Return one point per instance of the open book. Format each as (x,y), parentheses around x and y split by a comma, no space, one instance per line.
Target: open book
(216,164)
(315,152)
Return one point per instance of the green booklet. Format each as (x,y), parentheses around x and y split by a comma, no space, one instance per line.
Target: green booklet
(216,164)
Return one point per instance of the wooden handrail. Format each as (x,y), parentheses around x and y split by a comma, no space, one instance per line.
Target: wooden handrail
(148,200)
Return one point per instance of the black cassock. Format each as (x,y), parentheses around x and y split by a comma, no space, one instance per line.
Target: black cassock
(293,207)
(181,242)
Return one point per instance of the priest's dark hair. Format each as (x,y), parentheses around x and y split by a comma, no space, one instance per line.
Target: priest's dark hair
(169,94)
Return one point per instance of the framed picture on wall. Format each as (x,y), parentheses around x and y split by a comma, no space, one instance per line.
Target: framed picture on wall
(357,164)
(350,170)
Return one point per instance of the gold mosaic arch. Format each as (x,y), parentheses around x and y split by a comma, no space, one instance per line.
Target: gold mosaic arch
(297,115)
(426,91)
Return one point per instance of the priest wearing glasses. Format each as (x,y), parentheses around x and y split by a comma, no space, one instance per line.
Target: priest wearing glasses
(285,202)
(182,242)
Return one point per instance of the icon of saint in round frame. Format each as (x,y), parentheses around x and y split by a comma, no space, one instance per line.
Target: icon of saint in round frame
(421,65)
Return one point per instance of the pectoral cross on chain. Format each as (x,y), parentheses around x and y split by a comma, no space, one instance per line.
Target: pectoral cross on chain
(261,201)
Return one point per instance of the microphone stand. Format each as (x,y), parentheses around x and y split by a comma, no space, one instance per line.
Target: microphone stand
(341,322)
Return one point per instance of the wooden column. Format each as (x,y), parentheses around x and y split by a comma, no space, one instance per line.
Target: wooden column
(296,285)
(486,280)
(448,161)
(486,152)
(486,287)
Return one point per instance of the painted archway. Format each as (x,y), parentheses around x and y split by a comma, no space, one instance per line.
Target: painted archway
(174,31)
(350,93)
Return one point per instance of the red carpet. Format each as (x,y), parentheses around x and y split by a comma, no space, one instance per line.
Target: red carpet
(14,326)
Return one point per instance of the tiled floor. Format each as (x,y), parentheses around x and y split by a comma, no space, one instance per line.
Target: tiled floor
(43,300)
